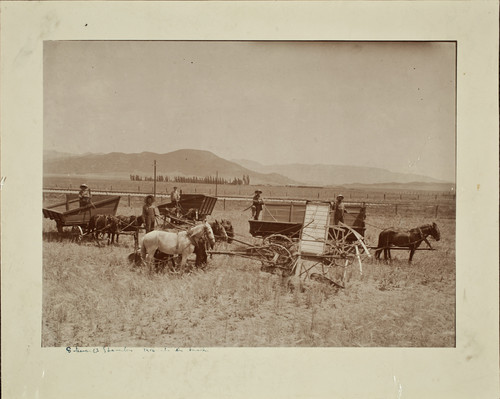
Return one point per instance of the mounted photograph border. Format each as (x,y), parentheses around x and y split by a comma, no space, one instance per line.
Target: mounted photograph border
(469,370)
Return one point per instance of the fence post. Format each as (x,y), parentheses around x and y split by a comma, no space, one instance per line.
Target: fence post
(224,203)
(129,200)
(436,214)
(396,209)
(384,196)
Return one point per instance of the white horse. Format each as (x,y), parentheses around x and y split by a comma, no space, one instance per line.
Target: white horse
(182,243)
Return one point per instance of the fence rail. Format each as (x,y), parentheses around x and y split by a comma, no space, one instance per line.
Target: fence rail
(400,208)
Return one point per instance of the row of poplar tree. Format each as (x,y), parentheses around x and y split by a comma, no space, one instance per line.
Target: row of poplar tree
(245,180)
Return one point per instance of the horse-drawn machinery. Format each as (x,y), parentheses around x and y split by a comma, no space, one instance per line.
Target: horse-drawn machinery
(301,240)
(297,239)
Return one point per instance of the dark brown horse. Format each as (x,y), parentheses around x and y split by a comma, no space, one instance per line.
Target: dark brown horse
(125,223)
(99,225)
(411,239)
(223,230)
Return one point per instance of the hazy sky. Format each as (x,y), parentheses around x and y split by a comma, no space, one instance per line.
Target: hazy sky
(389,105)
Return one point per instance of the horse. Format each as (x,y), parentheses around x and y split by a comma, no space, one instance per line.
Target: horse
(228,226)
(223,230)
(411,239)
(182,243)
(161,259)
(125,223)
(99,224)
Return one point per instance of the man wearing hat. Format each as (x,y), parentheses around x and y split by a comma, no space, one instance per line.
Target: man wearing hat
(175,197)
(339,210)
(149,213)
(84,195)
(257,204)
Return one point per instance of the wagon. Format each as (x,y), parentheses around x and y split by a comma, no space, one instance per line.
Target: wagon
(301,240)
(70,214)
(193,206)
(288,218)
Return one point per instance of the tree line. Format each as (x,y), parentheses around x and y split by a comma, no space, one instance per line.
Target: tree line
(245,180)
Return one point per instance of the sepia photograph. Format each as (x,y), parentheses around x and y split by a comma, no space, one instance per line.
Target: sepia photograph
(249,193)
(252,199)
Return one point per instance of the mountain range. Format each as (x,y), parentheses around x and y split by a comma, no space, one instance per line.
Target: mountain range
(177,163)
(200,163)
(320,174)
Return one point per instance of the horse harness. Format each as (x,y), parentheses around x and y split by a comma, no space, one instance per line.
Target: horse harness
(195,240)
(422,237)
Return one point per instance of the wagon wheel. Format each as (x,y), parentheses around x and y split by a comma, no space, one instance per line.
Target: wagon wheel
(344,246)
(76,234)
(276,258)
(280,239)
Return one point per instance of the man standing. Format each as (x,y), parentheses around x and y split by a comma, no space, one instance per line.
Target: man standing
(84,195)
(149,213)
(175,197)
(339,210)
(257,204)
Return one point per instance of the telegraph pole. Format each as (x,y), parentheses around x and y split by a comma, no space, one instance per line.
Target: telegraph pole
(216,181)
(154,177)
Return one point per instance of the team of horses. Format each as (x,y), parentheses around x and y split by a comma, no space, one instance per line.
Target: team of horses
(160,248)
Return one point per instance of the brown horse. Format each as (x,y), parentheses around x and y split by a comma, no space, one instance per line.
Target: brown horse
(125,223)
(99,225)
(223,230)
(411,239)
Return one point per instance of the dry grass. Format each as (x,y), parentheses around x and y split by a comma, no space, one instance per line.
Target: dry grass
(93,297)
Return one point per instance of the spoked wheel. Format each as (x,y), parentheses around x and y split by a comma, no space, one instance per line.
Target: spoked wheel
(276,258)
(76,234)
(280,239)
(346,244)
(338,243)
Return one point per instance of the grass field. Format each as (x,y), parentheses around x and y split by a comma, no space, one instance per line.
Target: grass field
(92,296)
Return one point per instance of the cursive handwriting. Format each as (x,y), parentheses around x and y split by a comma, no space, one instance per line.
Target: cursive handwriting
(107,349)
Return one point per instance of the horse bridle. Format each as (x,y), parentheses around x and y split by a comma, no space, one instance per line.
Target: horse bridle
(423,237)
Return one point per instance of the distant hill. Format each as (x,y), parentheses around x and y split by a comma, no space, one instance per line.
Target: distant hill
(334,175)
(176,163)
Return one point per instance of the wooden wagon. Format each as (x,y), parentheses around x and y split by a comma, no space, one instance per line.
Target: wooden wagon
(191,206)
(287,219)
(70,214)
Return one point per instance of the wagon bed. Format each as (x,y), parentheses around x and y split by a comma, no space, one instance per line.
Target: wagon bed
(288,219)
(69,213)
(203,204)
